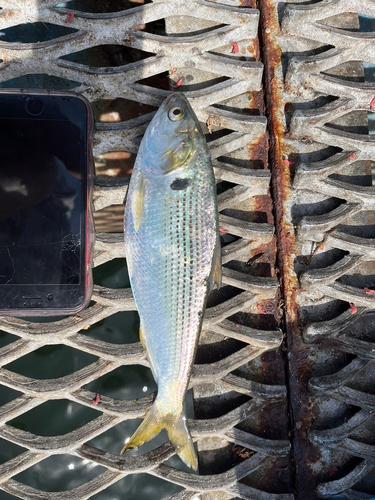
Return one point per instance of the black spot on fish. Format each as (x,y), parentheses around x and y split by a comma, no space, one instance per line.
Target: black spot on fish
(180,184)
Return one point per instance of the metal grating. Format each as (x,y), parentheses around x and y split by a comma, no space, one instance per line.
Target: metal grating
(240,423)
(323,152)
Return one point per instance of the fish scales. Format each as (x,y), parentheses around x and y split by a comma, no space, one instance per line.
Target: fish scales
(171,238)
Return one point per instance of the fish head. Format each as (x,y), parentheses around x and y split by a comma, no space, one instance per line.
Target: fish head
(172,137)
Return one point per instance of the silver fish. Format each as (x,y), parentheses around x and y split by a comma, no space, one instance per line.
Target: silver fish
(173,253)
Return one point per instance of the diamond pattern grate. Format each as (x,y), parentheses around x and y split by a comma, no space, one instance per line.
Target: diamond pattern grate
(325,152)
(242,450)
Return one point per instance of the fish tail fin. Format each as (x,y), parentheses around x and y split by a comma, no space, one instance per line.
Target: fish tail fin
(175,425)
(180,438)
(149,428)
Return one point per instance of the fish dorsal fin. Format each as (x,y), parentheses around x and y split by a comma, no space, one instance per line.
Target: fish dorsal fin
(138,201)
(215,280)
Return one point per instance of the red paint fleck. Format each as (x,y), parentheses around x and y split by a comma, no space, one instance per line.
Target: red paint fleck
(236,48)
(353,157)
(223,231)
(353,308)
(288,163)
(238,326)
(260,309)
(96,400)
(178,84)
(372,105)
(368,291)
(70,17)
(333,471)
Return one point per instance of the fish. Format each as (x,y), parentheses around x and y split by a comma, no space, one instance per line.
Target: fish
(172,247)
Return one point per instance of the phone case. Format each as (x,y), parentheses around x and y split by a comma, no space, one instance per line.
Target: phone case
(90,229)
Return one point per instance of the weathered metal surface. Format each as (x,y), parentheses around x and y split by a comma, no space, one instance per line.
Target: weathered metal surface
(240,421)
(321,149)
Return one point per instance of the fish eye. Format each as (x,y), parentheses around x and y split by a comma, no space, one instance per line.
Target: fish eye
(176,114)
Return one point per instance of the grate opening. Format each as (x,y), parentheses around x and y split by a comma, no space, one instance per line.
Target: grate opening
(9,450)
(115,164)
(260,321)
(362,330)
(156,27)
(8,395)
(330,309)
(125,383)
(6,338)
(364,383)
(355,122)
(195,32)
(111,329)
(350,71)
(219,405)
(107,56)
(139,486)
(109,219)
(315,208)
(68,416)
(356,174)
(66,473)
(363,231)
(34,33)
(119,110)
(102,6)
(113,274)
(39,81)
(343,21)
(215,351)
(52,361)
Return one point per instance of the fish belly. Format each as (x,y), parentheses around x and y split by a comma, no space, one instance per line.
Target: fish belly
(170,261)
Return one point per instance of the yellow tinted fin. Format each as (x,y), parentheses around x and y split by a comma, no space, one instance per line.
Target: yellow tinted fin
(177,430)
(142,336)
(149,428)
(180,438)
(138,204)
(215,279)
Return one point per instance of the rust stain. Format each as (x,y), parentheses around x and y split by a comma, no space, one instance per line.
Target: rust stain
(9,14)
(250,4)
(297,363)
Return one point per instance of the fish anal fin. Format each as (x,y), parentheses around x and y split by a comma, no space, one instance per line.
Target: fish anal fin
(215,280)
(142,335)
(138,204)
(142,338)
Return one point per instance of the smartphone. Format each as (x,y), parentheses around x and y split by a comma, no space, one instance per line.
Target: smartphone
(46,181)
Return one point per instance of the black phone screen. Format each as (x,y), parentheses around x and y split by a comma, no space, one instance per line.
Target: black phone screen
(40,202)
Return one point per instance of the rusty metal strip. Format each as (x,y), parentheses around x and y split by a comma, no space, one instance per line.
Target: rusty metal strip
(321,153)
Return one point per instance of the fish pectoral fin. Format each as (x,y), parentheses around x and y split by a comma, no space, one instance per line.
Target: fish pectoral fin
(138,202)
(149,428)
(180,438)
(215,280)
